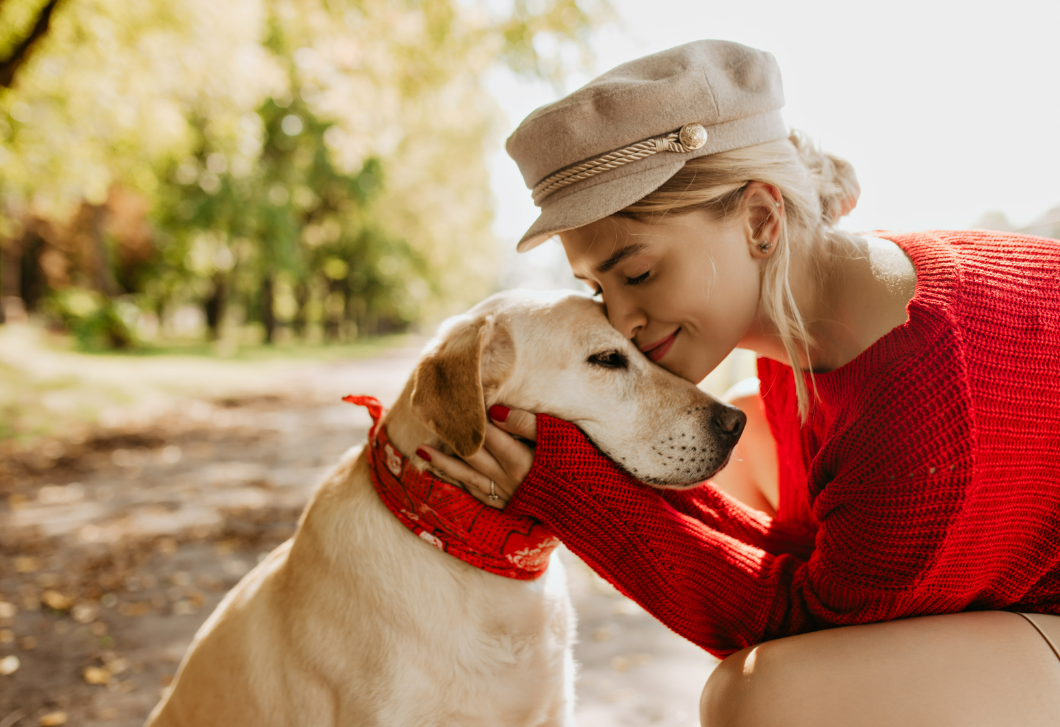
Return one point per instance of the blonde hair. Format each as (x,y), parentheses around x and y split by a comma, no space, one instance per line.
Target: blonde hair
(816,188)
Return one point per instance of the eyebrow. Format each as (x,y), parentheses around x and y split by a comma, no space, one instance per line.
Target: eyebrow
(618,256)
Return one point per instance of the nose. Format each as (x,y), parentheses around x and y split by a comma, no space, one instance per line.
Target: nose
(728,423)
(624,315)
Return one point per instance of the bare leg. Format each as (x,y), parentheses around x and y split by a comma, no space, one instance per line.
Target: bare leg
(986,668)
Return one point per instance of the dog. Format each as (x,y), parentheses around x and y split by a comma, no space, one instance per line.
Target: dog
(357,620)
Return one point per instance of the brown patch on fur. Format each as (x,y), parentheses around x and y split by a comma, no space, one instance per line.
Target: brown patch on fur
(447,393)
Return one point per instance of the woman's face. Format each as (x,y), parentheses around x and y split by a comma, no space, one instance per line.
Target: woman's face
(684,288)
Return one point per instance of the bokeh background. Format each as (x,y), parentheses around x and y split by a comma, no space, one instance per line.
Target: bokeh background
(219,216)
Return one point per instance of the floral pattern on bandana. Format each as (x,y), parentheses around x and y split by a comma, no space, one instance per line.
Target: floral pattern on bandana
(393,460)
(450,519)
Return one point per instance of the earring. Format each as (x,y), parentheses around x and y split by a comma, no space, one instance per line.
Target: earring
(764,246)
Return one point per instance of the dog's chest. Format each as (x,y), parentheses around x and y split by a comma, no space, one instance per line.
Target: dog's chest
(480,649)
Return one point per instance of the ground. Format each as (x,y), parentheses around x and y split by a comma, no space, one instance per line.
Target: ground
(119,537)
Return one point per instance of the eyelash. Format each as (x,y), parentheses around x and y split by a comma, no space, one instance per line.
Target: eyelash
(629,281)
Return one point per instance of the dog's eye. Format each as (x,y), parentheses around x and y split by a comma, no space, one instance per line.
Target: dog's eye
(609,360)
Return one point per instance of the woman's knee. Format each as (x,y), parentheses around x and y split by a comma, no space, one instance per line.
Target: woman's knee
(982,668)
(727,692)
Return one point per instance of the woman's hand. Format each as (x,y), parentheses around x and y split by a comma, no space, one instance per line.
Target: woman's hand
(503,461)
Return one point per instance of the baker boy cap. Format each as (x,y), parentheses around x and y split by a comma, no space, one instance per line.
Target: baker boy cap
(621,136)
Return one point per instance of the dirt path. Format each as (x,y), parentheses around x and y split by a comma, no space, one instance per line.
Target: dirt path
(115,547)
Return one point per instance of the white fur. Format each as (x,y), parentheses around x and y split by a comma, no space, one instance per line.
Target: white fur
(356,621)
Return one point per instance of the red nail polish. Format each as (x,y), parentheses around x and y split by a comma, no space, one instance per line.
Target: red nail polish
(422,454)
(499,413)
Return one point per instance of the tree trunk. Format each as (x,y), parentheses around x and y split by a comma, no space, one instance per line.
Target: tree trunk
(268,316)
(32,285)
(18,55)
(10,264)
(333,313)
(215,306)
(301,297)
(104,266)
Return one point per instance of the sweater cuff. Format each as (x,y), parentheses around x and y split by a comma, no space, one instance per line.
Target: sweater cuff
(545,491)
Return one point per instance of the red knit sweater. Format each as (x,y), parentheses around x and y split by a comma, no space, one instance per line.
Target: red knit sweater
(926,480)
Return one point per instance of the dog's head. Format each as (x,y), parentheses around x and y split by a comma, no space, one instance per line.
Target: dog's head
(557,354)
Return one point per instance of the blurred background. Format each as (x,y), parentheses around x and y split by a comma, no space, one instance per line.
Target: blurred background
(219,216)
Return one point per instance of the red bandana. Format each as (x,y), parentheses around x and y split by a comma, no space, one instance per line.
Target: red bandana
(513,546)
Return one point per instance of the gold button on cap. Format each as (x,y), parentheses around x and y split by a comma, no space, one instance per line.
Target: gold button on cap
(692,136)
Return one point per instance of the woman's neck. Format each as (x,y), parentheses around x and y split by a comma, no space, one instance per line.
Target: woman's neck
(850,291)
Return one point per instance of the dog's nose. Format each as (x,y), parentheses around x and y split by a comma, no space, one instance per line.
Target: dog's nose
(729,421)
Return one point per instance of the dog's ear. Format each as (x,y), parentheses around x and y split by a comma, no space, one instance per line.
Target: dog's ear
(447,393)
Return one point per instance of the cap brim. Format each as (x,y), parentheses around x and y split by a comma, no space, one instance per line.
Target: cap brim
(589,204)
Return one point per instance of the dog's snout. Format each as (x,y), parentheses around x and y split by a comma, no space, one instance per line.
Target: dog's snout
(729,421)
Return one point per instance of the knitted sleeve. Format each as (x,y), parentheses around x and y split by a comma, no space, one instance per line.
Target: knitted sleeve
(673,558)
(716,572)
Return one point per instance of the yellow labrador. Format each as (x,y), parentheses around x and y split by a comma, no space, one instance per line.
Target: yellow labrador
(356,621)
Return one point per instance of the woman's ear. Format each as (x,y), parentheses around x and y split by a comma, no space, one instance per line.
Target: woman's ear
(447,394)
(763,206)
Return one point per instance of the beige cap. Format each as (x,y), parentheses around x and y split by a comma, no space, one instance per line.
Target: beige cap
(618,138)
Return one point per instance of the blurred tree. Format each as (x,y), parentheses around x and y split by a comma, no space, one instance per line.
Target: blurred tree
(105,98)
(22,43)
(306,160)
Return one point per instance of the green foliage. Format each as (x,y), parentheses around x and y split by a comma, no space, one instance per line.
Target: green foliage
(96,322)
(308,162)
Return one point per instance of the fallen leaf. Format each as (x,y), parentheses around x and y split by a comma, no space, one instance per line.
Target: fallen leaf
(180,578)
(9,665)
(17,501)
(605,632)
(225,547)
(26,564)
(96,675)
(117,665)
(56,600)
(8,609)
(139,608)
(85,613)
(54,719)
(184,608)
(626,607)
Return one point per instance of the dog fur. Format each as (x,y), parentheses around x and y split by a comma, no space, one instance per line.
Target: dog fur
(355,621)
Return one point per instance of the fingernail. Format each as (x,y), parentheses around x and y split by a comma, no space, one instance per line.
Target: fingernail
(499,413)
(422,454)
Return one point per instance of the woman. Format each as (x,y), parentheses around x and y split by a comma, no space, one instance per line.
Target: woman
(899,475)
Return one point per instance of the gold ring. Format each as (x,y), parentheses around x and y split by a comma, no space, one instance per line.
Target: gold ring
(493,491)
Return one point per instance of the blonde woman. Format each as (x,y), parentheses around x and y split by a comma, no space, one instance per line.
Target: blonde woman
(884,548)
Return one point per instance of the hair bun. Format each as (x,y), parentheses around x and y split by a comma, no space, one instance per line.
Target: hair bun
(834,178)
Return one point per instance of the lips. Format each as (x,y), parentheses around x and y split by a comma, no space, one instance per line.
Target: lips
(659,349)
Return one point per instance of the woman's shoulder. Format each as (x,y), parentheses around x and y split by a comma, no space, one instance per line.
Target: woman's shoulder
(954,252)
(980,278)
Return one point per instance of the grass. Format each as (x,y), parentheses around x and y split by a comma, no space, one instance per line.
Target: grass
(285,351)
(47,386)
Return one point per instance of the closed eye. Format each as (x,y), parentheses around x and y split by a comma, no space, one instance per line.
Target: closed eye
(639,279)
(609,360)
